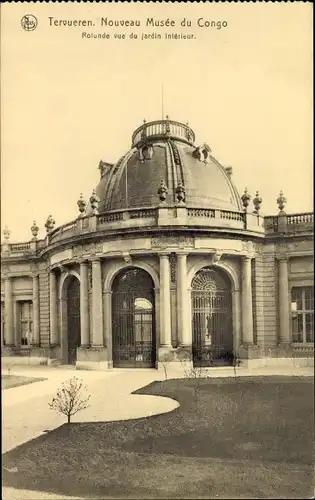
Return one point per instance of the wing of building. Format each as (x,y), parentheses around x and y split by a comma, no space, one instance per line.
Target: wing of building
(165,260)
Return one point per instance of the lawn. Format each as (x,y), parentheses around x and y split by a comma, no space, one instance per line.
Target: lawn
(9,381)
(245,438)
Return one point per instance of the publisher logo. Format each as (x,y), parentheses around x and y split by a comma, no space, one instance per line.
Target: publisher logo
(29,22)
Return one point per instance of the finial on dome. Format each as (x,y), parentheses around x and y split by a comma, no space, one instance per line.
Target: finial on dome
(6,233)
(281,201)
(162,191)
(257,201)
(167,125)
(94,200)
(202,153)
(81,205)
(144,120)
(49,224)
(180,192)
(245,199)
(34,230)
(229,171)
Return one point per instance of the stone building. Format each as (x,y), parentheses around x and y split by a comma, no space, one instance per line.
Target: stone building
(165,259)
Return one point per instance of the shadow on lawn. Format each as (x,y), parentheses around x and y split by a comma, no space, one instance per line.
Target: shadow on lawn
(257,433)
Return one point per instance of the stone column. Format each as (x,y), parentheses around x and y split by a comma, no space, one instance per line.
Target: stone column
(36,330)
(97,306)
(53,310)
(184,328)
(247,302)
(84,305)
(8,312)
(284,311)
(165,301)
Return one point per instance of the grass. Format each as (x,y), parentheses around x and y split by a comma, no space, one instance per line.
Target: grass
(248,438)
(10,381)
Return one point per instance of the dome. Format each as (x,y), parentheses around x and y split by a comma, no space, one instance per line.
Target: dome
(165,150)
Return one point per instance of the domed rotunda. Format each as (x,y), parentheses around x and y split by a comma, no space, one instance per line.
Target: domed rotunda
(164,151)
(165,261)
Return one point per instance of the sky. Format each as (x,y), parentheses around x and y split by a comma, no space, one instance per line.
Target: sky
(67,102)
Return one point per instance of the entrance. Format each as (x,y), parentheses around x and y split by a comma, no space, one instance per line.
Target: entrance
(133,317)
(211,318)
(73,319)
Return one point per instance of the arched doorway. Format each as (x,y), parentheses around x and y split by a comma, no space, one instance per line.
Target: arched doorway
(133,319)
(73,318)
(212,318)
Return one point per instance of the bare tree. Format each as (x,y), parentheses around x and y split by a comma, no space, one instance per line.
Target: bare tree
(70,398)
(9,368)
(196,373)
(165,360)
(236,361)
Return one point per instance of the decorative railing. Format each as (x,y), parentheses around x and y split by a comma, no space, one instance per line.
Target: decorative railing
(291,223)
(70,226)
(237,216)
(306,218)
(200,212)
(271,224)
(127,214)
(167,216)
(24,351)
(20,247)
(112,217)
(159,128)
(142,214)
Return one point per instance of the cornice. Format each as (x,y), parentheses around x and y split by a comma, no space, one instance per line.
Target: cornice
(95,237)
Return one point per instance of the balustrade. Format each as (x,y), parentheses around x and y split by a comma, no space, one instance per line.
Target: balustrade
(305,218)
(142,214)
(292,223)
(158,128)
(113,217)
(20,247)
(228,215)
(201,212)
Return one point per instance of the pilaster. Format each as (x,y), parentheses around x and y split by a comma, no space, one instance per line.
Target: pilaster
(247,302)
(8,312)
(165,301)
(284,312)
(84,304)
(53,309)
(36,329)
(97,306)
(184,328)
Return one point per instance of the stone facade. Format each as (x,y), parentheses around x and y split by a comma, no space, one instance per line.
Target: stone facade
(264,263)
